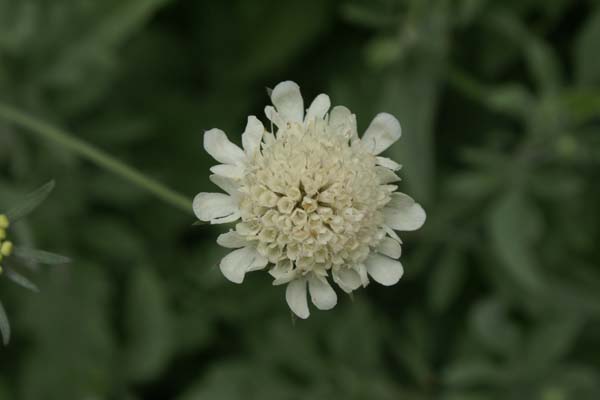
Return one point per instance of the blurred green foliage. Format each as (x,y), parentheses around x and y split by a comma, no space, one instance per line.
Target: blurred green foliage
(500,107)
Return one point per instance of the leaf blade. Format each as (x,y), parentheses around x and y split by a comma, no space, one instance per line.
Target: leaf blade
(30,202)
(4,326)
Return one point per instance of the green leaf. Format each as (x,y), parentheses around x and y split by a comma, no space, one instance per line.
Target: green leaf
(97,44)
(147,326)
(385,50)
(368,16)
(413,346)
(40,256)
(472,372)
(411,92)
(251,382)
(581,104)
(67,327)
(17,22)
(359,321)
(587,56)
(469,10)
(514,226)
(511,99)
(310,19)
(30,202)
(543,64)
(412,97)
(447,280)
(465,395)
(4,326)
(551,341)
(473,184)
(496,331)
(21,280)
(540,58)
(484,158)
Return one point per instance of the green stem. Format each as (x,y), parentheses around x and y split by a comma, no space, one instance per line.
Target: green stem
(466,84)
(95,155)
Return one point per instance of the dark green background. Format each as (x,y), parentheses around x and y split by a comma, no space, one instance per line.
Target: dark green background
(500,107)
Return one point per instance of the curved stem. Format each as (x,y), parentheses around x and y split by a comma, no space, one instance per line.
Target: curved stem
(94,155)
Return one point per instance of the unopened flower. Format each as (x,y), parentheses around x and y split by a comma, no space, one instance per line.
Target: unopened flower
(12,258)
(314,202)
(6,246)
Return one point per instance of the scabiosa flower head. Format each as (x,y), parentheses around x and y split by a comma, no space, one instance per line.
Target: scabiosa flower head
(312,200)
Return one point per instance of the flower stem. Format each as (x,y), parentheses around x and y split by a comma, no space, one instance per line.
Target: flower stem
(95,155)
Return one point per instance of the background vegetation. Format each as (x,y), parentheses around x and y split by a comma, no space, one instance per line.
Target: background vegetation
(500,107)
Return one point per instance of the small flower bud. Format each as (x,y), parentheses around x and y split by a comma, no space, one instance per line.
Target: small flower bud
(4,222)
(6,248)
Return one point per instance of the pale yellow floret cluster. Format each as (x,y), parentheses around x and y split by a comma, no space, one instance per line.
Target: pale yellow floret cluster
(6,246)
(312,201)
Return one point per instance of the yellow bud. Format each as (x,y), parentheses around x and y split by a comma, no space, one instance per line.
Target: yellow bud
(6,249)
(2,234)
(4,222)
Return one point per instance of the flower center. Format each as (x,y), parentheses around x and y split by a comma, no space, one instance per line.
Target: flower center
(313,199)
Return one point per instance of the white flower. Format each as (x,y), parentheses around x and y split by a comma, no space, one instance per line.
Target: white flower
(313,200)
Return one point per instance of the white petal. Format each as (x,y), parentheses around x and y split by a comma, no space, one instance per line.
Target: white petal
(228,171)
(383,131)
(388,163)
(215,207)
(318,108)
(282,272)
(235,264)
(347,279)
(339,115)
(390,188)
(287,99)
(295,295)
(260,262)
(403,214)
(274,116)
(221,149)
(229,185)
(229,218)
(269,138)
(361,269)
(252,136)
(232,240)
(343,120)
(392,234)
(322,294)
(389,247)
(283,279)
(386,176)
(384,269)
